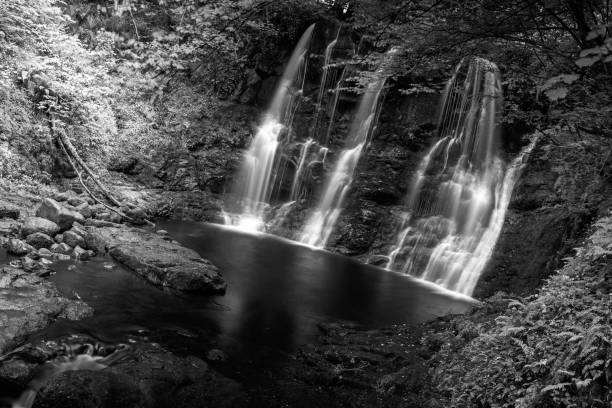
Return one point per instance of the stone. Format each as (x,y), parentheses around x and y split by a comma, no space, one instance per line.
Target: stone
(75,201)
(116,218)
(39,240)
(28,304)
(33,266)
(59,238)
(38,224)
(61,257)
(18,247)
(62,216)
(85,210)
(159,261)
(100,223)
(161,232)
(103,216)
(9,226)
(45,253)
(8,210)
(137,215)
(63,196)
(80,253)
(62,248)
(73,239)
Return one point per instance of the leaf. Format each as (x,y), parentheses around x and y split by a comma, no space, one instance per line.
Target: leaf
(587,61)
(556,93)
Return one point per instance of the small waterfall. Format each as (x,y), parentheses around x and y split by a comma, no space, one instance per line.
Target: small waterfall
(261,166)
(322,220)
(461,190)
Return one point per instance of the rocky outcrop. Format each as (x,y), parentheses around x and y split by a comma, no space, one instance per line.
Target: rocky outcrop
(158,259)
(29,303)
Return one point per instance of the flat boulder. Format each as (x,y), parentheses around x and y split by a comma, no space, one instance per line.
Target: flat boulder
(62,216)
(161,262)
(39,224)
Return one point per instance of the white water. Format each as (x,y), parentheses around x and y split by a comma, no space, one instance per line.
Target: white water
(461,190)
(261,166)
(322,220)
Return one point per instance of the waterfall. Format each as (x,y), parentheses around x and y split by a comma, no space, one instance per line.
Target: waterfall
(261,166)
(321,222)
(461,189)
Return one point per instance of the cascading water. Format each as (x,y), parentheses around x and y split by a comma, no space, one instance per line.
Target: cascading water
(460,191)
(261,166)
(321,222)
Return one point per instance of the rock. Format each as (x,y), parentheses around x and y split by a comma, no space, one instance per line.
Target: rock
(116,218)
(38,224)
(9,211)
(59,238)
(45,253)
(9,226)
(161,232)
(18,247)
(63,196)
(80,253)
(75,201)
(157,260)
(32,266)
(52,210)
(137,215)
(85,210)
(62,248)
(103,216)
(61,257)
(126,165)
(28,304)
(100,223)
(73,239)
(145,376)
(39,240)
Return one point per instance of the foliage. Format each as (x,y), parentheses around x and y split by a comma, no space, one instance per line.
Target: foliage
(553,349)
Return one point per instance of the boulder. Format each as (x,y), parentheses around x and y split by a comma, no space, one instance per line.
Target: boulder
(137,215)
(38,224)
(85,210)
(75,201)
(62,216)
(59,238)
(18,247)
(9,211)
(73,239)
(39,240)
(80,253)
(62,248)
(33,266)
(61,257)
(63,196)
(45,253)
(9,226)
(159,261)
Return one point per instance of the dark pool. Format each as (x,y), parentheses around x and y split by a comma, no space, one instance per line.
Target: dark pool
(277,293)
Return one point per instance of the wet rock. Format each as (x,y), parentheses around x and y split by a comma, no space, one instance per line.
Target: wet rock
(28,303)
(39,240)
(32,266)
(39,224)
(61,257)
(161,232)
(80,253)
(62,248)
(62,216)
(45,253)
(18,247)
(148,376)
(159,261)
(9,211)
(73,239)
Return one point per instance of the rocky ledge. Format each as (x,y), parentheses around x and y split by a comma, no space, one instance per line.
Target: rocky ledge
(158,258)
(29,303)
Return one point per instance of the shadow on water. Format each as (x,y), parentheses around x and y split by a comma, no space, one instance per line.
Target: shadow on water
(277,293)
